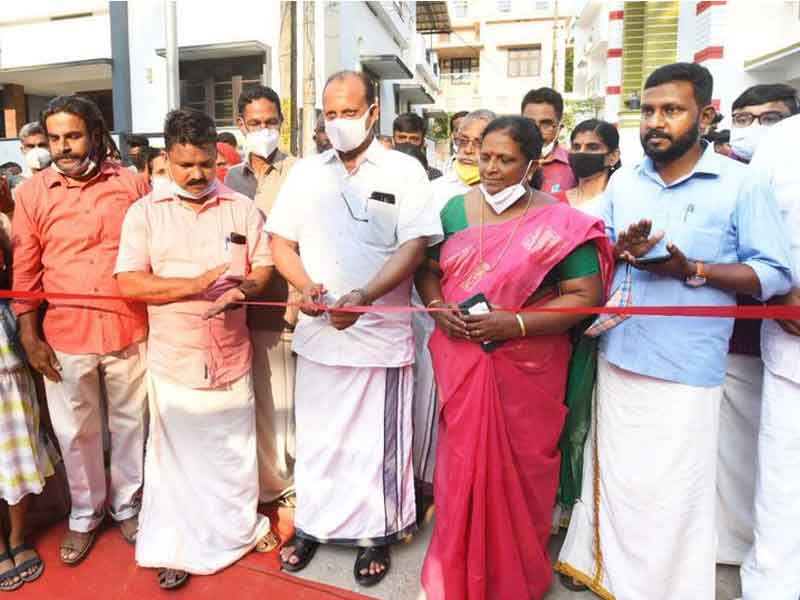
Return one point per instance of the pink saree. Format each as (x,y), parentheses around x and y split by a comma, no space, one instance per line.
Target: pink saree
(501,416)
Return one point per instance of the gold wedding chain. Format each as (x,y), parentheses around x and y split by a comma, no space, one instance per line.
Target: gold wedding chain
(485,265)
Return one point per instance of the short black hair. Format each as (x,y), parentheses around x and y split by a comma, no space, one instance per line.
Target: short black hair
(9,165)
(700,78)
(459,115)
(523,131)
(226,137)
(544,95)
(413,150)
(189,126)
(769,92)
(409,123)
(259,92)
(369,89)
(137,141)
(149,154)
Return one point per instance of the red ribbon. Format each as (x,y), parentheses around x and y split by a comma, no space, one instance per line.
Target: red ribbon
(738,312)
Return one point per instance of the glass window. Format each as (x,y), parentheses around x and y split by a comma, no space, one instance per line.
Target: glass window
(524,62)
(461,9)
(504,5)
(460,70)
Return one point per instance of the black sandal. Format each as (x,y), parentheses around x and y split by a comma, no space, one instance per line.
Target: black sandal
(303,549)
(5,575)
(366,556)
(164,584)
(35,562)
(571,584)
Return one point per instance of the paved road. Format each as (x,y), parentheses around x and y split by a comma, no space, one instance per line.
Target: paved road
(334,566)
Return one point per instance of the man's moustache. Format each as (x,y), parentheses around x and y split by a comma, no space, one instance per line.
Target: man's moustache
(656,135)
(196,182)
(68,156)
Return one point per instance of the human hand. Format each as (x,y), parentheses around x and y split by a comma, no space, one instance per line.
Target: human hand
(494,326)
(636,241)
(207,279)
(344,319)
(41,356)
(311,294)
(790,326)
(451,322)
(227,301)
(676,266)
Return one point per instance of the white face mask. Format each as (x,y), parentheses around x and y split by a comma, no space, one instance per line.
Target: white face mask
(179,191)
(744,140)
(506,197)
(160,181)
(37,158)
(87,165)
(262,142)
(347,134)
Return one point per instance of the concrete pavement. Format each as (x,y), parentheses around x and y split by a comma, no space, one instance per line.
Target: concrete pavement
(334,566)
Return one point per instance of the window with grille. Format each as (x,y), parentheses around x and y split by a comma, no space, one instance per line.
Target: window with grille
(524,62)
(504,5)
(461,9)
(460,70)
(214,85)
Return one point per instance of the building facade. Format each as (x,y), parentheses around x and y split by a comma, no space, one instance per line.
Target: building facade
(500,49)
(114,53)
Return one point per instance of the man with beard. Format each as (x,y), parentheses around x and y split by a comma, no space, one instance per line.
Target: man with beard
(710,229)
(66,234)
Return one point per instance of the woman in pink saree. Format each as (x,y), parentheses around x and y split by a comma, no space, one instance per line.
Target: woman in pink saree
(502,408)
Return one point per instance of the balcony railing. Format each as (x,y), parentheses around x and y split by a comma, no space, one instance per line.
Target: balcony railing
(467,82)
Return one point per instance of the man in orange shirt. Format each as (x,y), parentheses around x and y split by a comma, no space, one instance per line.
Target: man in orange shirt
(66,233)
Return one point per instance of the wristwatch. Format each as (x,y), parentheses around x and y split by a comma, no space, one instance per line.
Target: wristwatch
(699,278)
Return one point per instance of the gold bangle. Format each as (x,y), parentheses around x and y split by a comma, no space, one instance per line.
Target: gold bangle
(522,325)
(434,301)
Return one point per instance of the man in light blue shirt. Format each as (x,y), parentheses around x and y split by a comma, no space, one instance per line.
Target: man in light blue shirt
(710,229)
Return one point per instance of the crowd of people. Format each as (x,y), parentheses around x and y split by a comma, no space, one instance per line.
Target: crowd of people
(219,330)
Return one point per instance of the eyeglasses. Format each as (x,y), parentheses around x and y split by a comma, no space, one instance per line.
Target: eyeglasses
(745,119)
(350,210)
(466,143)
(545,124)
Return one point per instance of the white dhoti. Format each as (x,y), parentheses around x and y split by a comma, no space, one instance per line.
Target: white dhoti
(739,416)
(654,492)
(200,501)
(353,476)
(425,403)
(76,411)
(770,571)
(273,381)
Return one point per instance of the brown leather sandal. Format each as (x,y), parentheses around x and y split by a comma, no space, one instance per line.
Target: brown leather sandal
(74,543)
(268,543)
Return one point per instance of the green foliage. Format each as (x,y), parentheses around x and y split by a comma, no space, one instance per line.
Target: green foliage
(576,111)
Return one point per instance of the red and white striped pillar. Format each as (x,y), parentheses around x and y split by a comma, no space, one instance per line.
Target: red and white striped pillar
(710,25)
(616,15)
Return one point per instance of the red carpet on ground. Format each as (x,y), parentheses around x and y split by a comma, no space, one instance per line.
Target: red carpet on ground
(110,573)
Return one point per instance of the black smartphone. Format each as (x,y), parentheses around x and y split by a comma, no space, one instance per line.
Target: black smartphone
(656,254)
(479,305)
(382,197)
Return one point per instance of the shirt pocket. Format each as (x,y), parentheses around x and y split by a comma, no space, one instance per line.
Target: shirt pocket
(703,244)
(381,227)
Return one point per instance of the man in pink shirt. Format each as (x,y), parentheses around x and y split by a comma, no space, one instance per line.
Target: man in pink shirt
(192,251)
(545,107)
(65,235)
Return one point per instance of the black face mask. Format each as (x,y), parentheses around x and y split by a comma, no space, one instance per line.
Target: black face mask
(586,164)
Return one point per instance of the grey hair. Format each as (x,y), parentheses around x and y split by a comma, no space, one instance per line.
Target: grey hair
(482,114)
(29,129)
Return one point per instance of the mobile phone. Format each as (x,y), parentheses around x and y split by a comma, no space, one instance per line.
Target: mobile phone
(479,305)
(382,197)
(656,254)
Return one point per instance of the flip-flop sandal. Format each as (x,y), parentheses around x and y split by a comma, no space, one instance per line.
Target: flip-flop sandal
(304,550)
(378,554)
(81,550)
(9,574)
(572,585)
(164,584)
(36,562)
(130,538)
(268,543)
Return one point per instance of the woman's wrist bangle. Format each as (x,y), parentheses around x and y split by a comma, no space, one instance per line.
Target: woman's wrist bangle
(522,327)
(434,301)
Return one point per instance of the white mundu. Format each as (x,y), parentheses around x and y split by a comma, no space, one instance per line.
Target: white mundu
(770,569)
(354,387)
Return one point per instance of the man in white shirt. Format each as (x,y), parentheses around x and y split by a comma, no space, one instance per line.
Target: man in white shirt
(349,228)
(770,569)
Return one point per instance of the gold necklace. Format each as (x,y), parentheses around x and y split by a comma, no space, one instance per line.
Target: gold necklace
(484,266)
